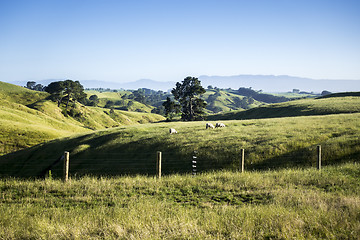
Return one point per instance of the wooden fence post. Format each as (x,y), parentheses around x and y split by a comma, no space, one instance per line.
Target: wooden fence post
(242,160)
(319,157)
(66,166)
(158,165)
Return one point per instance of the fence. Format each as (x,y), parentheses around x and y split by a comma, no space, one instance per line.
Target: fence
(183,161)
(66,160)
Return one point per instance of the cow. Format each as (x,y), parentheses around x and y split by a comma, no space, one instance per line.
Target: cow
(220,125)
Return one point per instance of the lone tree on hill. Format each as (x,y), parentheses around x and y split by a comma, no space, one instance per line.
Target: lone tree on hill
(188,94)
(66,90)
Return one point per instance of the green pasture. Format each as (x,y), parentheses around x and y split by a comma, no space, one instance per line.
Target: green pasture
(268,143)
(113,193)
(23,127)
(303,107)
(104,97)
(27,118)
(282,204)
(21,95)
(225,100)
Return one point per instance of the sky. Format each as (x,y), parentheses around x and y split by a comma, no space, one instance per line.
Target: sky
(127,40)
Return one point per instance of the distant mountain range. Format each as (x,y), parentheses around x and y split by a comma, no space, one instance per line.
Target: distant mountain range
(267,83)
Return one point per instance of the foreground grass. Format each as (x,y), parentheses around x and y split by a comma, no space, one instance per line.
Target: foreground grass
(286,204)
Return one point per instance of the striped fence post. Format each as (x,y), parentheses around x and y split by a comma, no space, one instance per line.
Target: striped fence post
(194,163)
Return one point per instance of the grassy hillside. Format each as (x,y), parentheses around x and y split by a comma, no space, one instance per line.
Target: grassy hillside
(224,101)
(27,118)
(286,204)
(343,94)
(120,103)
(303,107)
(15,94)
(22,127)
(268,143)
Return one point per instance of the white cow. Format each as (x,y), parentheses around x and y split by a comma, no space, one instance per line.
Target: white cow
(172,130)
(209,125)
(220,125)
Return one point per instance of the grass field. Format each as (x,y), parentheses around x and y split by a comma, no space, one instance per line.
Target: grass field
(304,107)
(293,201)
(268,143)
(225,101)
(22,127)
(116,97)
(283,204)
(15,94)
(28,119)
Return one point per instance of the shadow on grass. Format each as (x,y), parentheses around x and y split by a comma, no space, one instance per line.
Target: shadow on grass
(105,155)
(137,157)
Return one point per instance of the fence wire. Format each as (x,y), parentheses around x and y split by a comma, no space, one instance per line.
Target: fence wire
(112,163)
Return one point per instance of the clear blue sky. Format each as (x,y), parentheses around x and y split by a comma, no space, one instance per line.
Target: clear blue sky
(124,41)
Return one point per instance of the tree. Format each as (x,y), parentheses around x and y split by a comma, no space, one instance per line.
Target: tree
(30,85)
(325,92)
(130,104)
(33,86)
(94,100)
(73,90)
(109,104)
(38,87)
(56,89)
(67,90)
(171,108)
(139,95)
(188,94)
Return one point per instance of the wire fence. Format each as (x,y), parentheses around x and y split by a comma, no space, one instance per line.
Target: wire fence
(185,162)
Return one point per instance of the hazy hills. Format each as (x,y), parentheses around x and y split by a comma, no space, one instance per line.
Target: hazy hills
(267,83)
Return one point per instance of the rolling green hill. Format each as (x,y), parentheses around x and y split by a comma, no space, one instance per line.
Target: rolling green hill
(27,118)
(15,94)
(22,127)
(224,101)
(269,143)
(303,107)
(119,102)
(342,94)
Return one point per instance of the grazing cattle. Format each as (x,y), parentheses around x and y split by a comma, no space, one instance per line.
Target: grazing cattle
(172,130)
(209,125)
(220,125)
